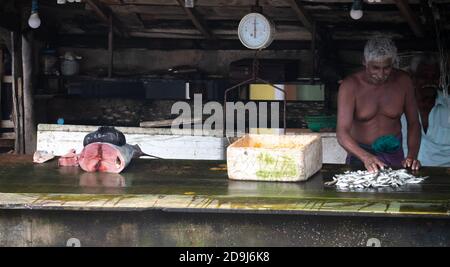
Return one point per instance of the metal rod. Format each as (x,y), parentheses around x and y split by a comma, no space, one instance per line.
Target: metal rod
(225,101)
(253,80)
(313,52)
(110,46)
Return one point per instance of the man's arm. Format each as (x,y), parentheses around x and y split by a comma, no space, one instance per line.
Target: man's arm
(346,109)
(414,133)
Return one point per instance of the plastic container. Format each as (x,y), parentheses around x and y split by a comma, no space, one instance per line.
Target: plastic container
(70,67)
(69,64)
(317,123)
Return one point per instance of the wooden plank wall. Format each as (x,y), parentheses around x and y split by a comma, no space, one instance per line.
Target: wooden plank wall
(6,138)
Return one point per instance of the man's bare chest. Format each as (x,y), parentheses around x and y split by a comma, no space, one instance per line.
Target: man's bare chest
(386,102)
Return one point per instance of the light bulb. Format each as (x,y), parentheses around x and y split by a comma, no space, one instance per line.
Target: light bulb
(356,14)
(34,21)
(356,11)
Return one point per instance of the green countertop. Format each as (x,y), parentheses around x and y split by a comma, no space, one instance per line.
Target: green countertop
(203,186)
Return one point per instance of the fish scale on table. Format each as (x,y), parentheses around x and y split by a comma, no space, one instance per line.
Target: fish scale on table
(365,179)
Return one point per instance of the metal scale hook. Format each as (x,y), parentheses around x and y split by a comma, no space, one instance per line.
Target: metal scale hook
(252,80)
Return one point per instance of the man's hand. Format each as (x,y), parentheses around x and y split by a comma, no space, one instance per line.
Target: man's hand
(412,163)
(373,164)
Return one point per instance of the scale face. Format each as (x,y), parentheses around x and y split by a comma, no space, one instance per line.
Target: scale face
(256,31)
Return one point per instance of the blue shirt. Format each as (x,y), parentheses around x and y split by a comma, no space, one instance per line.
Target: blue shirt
(435,143)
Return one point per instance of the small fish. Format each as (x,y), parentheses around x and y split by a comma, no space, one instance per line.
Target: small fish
(42,156)
(331,183)
(384,178)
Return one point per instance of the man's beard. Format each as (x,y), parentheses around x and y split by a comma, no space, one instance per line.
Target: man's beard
(377,80)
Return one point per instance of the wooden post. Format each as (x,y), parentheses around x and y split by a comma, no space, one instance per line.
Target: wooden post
(16,73)
(28,102)
(21,113)
(110,47)
(1,80)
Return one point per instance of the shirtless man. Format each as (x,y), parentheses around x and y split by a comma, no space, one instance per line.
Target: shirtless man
(370,105)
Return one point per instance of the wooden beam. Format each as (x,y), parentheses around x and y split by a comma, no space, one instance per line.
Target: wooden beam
(85,41)
(410,17)
(101,12)
(7,79)
(6,124)
(6,143)
(196,21)
(248,3)
(10,136)
(302,14)
(167,123)
(98,11)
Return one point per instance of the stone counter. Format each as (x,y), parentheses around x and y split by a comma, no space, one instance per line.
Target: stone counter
(193,203)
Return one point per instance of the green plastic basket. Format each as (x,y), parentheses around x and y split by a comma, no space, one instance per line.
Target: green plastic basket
(317,123)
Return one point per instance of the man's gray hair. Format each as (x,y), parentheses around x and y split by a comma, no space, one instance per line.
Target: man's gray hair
(379,49)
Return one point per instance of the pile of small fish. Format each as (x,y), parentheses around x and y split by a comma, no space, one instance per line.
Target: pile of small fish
(365,179)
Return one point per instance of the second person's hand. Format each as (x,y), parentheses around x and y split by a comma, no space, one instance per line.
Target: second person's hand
(412,163)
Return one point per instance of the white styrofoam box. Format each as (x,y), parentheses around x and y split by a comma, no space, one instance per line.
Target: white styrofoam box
(284,158)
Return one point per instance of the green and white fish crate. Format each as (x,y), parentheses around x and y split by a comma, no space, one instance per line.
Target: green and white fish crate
(281,158)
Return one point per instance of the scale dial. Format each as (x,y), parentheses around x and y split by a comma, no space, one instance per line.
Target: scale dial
(256,31)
